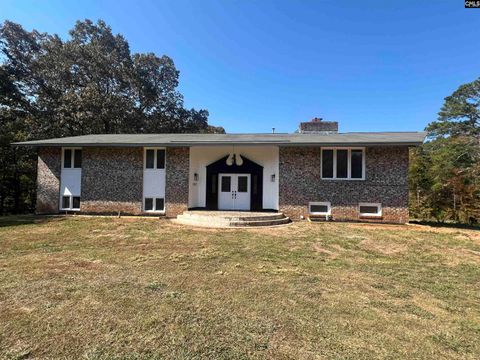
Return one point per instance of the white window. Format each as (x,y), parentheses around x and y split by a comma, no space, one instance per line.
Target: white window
(320,208)
(343,163)
(154,158)
(370,209)
(72,158)
(154,180)
(70,202)
(154,204)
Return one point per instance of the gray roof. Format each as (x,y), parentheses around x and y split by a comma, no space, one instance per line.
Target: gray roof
(131,140)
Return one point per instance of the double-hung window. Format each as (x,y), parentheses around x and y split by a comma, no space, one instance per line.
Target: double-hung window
(343,163)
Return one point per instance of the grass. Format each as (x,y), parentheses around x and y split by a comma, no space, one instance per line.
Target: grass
(98,288)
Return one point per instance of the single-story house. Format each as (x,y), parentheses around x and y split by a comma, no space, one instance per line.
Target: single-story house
(316,171)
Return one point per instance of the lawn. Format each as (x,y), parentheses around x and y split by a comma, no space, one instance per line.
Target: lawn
(98,288)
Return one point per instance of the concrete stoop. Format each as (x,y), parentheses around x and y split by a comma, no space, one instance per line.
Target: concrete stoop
(231,219)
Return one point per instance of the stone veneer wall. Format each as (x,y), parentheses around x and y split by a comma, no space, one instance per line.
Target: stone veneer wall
(385,182)
(176,182)
(112,180)
(49,167)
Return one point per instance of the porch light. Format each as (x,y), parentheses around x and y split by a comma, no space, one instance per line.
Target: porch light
(272,177)
(195,177)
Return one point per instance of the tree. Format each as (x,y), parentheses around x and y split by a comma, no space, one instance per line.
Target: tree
(17,174)
(460,114)
(89,83)
(445,171)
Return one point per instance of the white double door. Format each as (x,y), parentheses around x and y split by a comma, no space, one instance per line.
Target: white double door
(234,192)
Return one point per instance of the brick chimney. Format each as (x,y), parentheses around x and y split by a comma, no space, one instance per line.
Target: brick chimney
(318,126)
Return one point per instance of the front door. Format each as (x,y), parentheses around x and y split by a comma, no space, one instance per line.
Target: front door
(234,192)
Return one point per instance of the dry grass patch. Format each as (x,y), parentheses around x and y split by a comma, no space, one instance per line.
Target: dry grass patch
(99,288)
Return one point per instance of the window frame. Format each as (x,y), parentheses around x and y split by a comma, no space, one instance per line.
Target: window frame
(378,205)
(70,203)
(349,163)
(72,158)
(328,204)
(222,178)
(154,204)
(155,153)
(79,201)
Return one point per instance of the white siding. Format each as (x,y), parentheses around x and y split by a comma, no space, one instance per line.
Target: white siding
(201,156)
(71,182)
(154,183)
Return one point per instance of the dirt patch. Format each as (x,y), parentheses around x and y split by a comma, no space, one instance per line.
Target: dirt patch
(383,247)
(457,256)
(365,226)
(318,248)
(416,227)
(443,230)
(474,236)
(473,252)
(430,304)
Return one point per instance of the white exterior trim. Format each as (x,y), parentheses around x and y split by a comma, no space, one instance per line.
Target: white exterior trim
(349,163)
(266,156)
(379,209)
(70,180)
(154,180)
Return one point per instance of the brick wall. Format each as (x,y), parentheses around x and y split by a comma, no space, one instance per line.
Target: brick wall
(48,180)
(386,183)
(112,180)
(318,125)
(176,182)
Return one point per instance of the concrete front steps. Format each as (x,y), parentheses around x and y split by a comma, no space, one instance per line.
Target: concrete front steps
(231,219)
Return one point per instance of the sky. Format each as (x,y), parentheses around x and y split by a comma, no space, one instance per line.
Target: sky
(370,65)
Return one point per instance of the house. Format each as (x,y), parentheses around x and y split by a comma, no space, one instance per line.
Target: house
(314,172)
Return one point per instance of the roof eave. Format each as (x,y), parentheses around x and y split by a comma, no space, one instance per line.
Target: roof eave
(226,143)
